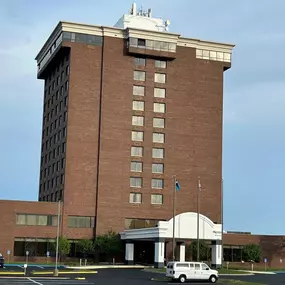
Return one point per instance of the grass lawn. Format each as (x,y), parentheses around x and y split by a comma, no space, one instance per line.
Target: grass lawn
(237,282)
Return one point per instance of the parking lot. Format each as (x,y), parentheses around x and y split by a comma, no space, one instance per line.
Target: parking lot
(119,277)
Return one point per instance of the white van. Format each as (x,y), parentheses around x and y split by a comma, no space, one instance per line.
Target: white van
(184,271)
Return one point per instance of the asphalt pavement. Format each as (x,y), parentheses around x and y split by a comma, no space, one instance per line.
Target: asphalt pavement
(122,277)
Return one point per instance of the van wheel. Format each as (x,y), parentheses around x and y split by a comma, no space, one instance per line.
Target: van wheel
(213,279)
(182,278)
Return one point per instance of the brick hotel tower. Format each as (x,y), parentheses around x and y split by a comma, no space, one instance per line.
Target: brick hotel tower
(126,108)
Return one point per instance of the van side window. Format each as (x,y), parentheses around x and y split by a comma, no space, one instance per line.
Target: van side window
(197,266)
(182,265)
(191,265)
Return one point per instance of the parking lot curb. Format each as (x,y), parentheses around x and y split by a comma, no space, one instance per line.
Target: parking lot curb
(63,272)
(107,266)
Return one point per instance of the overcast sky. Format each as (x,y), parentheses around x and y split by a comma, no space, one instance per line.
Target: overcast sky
(254,94)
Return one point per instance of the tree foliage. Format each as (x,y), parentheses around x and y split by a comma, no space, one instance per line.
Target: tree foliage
(85,246)
(108,245)
(63,247)
(251,252)
(205,250)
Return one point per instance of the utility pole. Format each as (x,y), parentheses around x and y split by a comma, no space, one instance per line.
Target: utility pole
(57,240)
(198,219)
(173,218)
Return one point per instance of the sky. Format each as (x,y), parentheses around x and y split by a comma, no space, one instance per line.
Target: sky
(254,89)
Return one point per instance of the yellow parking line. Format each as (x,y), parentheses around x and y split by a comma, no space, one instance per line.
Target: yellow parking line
(63,272)
(12,273)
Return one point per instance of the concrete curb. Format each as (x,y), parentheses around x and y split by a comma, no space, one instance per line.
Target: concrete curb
(106,266)
(261,272)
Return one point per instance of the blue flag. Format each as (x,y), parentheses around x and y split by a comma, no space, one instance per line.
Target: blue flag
(177,185)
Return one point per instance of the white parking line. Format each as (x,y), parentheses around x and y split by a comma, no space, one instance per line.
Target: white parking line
(40,266)
(35,281)
(21,266)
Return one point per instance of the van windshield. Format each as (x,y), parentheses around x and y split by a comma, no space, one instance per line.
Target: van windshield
(205,266)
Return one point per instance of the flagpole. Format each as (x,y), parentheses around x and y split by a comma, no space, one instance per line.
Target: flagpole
(198,219)
(173,218)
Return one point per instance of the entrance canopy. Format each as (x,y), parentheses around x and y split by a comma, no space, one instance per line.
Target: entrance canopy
(185,228)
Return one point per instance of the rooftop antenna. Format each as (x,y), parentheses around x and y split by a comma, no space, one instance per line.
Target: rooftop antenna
(166,24)
(149,12)
(134,9)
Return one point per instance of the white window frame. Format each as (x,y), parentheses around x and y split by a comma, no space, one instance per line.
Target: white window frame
(156,148)
(158,120)
(158,135)
(136,121)
(154,166)
(136,163)
(139,75)
(159,92)
(137,147)
(137,136)
(132,198)
(156,196)
(158,106)
(136,88)
(138,105)
(159,77)
(154,184)
(136,185)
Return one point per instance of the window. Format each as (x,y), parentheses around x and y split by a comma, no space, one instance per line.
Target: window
(159,92)
(80,222)
(158,153)
(160,63)
(138,105)
(138,90)
(136,182)
(139,61)
(36,220)
(136,166)
(135,198)
(158,122)
(138,121)
(159,107)
(136,151)
(157,183)
(141,42)
(158,137)
(159,77)
(139,75)
(157,199)
(157,168)
(137,136)
(140,223)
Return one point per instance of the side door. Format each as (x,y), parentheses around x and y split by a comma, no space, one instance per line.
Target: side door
(198,271)
(205,271)
(191,272)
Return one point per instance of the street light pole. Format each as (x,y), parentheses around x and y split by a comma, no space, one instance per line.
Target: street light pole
(57,240)
(198,219)
(173,218)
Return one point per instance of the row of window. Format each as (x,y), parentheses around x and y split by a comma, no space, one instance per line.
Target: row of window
(54,154)
(141,76)
(137,166)
(58,108)
(54,182)
(53,197)
(138,136)
(137,182)
(36,220)
(139,90)
(81,222)
(59,69)
(56,85)
(141,61)
(156,152)
(157,107)
(140,223)
(136,198)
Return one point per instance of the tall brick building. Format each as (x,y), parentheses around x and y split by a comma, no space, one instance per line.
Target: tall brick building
(125,108)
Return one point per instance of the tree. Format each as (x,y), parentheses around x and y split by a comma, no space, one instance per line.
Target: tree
(251,252)
(205,250)
(63,247)
(108,245)
(85,246)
